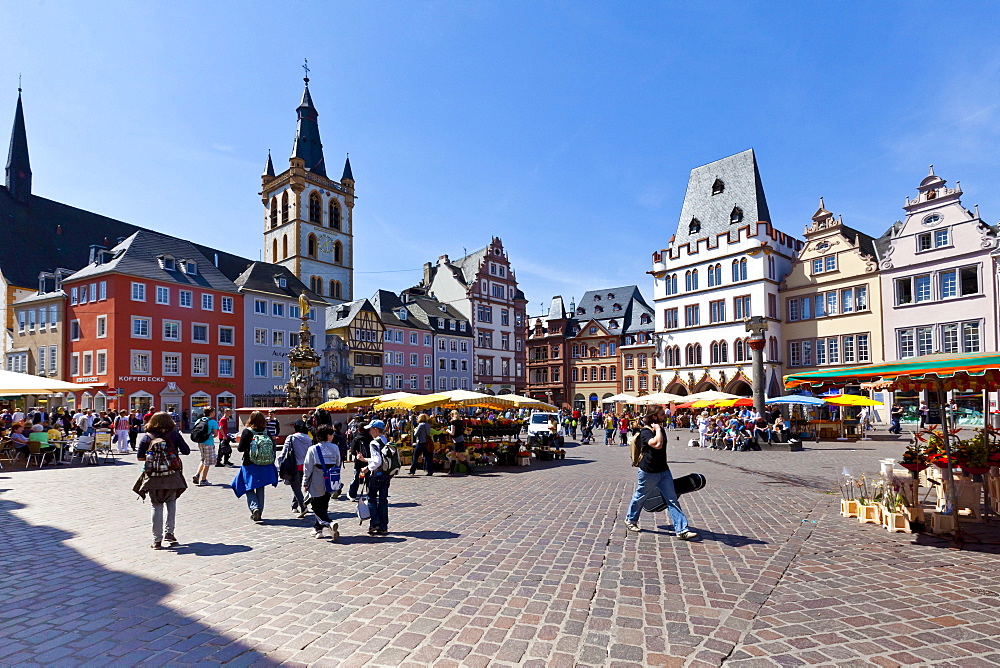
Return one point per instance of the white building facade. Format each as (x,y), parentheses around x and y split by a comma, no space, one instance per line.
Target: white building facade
(724,264)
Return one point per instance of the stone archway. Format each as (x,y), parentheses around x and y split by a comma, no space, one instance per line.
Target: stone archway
(740,387)
(678,389)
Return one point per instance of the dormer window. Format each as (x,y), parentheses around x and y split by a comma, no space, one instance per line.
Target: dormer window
(281,281)
(599,309)
(580,311)
(644,319)
(597,298)
(167,262)
(402,314)
(694,227)
(613,324)
(616,307)
(718,187)
(611,295)
(189,267)
(736,216)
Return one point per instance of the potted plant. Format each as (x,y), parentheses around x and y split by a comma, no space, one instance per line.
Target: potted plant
(915,457)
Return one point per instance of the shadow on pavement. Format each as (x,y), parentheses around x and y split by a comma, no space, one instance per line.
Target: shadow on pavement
(369,540)
(983,539)
(730,539)
(210,549)
(122,621)
(426,535)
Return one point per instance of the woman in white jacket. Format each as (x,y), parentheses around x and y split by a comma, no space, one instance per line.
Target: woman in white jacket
(321,480)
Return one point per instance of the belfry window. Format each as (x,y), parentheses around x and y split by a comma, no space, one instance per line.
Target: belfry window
(312,246)
(334,214)
(284,207)
(274,212)
(315,208)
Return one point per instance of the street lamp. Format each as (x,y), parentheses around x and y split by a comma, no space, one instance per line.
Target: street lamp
(757,325)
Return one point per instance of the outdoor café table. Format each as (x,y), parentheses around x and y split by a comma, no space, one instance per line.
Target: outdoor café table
(59,445)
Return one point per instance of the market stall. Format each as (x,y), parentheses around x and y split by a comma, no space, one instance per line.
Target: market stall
(978,457)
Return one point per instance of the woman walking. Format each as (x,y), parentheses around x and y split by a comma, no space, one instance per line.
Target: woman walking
(299,444)
(422,446)
(655,477)
(258,469)
(162,474)
(321,474)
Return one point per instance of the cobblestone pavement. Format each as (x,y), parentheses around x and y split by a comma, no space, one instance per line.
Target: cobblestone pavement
(529,566)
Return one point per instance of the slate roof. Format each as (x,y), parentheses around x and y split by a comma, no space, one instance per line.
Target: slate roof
(427,310)
(388,304)
(259,277)
(342,315)
(629,317)
(741,188)
(41,235)
(137,255)
(866,243)
(468,266)
(307,143)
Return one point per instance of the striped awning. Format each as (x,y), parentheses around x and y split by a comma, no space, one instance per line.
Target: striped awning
(968,371)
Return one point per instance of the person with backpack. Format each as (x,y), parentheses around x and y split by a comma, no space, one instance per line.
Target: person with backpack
(296,447)
(378,475)
(203,433)
(359,449)
(258,469)
(162,475)
(654,475)
(321,480)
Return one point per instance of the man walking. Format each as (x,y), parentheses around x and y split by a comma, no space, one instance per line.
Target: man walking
(655,476)
(378,480)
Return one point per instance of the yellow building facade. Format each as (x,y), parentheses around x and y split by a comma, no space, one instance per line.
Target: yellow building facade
(831,299)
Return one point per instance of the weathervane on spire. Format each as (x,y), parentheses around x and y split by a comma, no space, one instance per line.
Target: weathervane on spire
(305,66)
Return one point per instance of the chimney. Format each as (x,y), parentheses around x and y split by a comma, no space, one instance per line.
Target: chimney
(443,259)
(427,273)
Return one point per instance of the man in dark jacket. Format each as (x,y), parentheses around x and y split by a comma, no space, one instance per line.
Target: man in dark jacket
(359,446)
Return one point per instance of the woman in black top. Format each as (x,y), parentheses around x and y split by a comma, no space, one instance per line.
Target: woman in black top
(163,490)
(654,475)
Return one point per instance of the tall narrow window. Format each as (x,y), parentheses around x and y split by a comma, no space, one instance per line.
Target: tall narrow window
(284,246)
(274,212)
(338,252)
(334,214)
(315,209)
(284,207)
(312,245)
(274,251)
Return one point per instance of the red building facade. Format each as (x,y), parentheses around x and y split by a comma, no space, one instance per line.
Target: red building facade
(152,322)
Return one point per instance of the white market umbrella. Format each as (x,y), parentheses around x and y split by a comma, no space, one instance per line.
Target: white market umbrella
(659,398)
(467,398)
(12,382)
(711,395)
(623,398)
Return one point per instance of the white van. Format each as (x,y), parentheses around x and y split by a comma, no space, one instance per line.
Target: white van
(539,423)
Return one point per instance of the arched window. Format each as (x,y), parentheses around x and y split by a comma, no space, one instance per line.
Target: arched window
(338,252)
(715,352)
(318,283)
(613,373)
(687,280)
(311,251)
(274,212)
(335,289)
(315,208)
(772,349)
(743,269)
(736,271)
(739,351)
(593,373)
(334,214)
(694,227)
(771,271)
(274,250)
(284,207)
(736,216)
(284,246)
(718,187)
(688,355)
(604,373)
(694,279)
(697,353)
(723,352)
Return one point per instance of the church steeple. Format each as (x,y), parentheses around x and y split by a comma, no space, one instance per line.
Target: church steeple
(308,146)
(348,174)
(18,179)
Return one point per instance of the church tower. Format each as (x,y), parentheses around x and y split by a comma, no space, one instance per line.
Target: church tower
(309,217)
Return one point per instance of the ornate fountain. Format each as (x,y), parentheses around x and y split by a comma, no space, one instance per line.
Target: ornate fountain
(303,387)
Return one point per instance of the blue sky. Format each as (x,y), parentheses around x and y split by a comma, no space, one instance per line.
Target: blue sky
(566,128)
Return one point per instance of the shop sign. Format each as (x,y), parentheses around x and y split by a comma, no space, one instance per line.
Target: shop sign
(88,380)
(139,379)
(213,383)
(278,353)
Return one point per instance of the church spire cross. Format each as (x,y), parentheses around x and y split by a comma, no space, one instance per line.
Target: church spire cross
(305,66)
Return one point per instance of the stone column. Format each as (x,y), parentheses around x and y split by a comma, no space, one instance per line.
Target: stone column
(757,351)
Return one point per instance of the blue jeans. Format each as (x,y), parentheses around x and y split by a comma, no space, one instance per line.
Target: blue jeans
(255,499)
(378,500)
(649,484)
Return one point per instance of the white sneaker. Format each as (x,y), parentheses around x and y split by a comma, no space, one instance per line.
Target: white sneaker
(631,526)
(316,534)
(687,534)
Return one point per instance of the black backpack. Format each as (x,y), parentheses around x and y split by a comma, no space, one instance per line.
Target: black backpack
(199,432)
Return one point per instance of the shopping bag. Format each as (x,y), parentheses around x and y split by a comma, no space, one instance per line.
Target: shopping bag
(364,512)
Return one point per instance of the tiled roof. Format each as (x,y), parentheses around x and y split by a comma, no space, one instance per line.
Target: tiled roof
(342,315)
(428,310)
(388,305)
